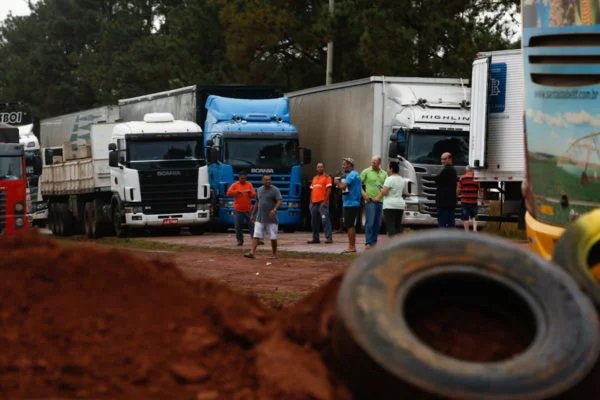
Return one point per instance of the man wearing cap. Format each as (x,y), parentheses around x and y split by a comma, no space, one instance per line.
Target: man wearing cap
(350,186)
(373,179)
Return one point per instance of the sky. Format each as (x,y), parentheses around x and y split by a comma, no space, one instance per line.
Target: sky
(18,7)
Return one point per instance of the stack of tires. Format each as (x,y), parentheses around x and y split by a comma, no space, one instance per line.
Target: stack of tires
(383,352)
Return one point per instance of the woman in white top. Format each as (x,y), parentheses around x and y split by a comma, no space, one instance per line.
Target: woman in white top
(393,202)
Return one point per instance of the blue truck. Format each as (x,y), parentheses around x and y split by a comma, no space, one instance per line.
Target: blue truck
(246,127)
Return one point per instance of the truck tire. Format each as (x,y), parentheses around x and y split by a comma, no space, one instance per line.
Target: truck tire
(91,225)
(198,229)
(578,251)
(373,340)
(118,220)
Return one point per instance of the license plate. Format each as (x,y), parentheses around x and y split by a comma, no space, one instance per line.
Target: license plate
(170,221)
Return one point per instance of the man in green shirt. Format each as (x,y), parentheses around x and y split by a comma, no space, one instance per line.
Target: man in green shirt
(372,179)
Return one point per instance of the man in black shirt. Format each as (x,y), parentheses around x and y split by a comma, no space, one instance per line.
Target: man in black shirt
(445,198)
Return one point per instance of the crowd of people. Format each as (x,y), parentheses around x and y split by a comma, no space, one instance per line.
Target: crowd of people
(381,191)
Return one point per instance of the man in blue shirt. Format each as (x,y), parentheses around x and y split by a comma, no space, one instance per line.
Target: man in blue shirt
(350,185)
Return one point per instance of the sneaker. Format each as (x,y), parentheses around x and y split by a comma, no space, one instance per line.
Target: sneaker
(368,246)
(261,242)
(329,241)
(240,243)
(313,242)
(248,255)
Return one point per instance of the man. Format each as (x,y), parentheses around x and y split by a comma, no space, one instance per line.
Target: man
(243,192)
(264,215)
(372,178)
(319,205)
(468,189)
(445,198)
(351,189)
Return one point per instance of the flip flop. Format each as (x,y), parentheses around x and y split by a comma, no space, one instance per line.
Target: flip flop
(248,255)
(348,251)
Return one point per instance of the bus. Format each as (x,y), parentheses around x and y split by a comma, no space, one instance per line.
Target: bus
(561,48)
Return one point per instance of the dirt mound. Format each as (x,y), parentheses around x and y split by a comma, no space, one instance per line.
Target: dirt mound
(79,321)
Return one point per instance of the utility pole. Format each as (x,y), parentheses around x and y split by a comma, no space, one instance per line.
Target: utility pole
(329,67)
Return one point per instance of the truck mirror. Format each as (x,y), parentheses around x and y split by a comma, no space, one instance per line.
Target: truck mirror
(210,143)
(396,149)
(306,156)
(212,155)
(112,147)
(113,158)
(48,153)
(37,166)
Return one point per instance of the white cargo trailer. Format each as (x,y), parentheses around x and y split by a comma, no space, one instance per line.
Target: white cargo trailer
(413,120)
(497,138)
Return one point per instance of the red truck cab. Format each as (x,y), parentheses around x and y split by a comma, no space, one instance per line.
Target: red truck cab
(13,182)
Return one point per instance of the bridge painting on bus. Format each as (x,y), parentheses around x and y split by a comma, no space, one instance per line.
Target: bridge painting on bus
(562,87)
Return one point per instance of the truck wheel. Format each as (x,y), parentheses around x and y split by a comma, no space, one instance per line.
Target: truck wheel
(197,229)
(59,221)
(388,296)
(118,220)
(578,252)
(90,221)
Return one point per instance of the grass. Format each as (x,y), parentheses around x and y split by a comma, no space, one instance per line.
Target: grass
(509,230)
(155,245)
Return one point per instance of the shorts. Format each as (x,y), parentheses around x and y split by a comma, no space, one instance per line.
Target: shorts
(269,228)
(350,215)
(468,211)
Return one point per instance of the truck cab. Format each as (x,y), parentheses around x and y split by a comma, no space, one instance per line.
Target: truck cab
(255,136)
(424,126)
(158,173)
(13,182)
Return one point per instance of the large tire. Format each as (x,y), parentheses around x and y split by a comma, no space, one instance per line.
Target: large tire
(374,341)
(198,229)
(92,228)
(52,218)
(578,251)
(118,222)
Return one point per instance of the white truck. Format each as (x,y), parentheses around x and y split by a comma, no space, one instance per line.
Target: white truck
(413,120)
(497,137)
(123,176)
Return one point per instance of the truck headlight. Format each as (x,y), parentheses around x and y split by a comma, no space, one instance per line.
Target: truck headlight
(19,222)
(19,207)
(226,204)
(137,210)
(293,204)
(203,207)
(411,207)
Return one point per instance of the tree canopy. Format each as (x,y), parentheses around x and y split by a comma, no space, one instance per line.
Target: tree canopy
(69,55)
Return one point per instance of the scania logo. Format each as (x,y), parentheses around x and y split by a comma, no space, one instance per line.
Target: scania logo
(168,173)
(262,170)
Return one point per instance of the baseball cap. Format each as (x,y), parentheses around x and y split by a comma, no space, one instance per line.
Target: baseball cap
(349,160)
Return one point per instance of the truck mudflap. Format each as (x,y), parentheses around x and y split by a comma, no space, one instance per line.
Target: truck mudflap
(140,220)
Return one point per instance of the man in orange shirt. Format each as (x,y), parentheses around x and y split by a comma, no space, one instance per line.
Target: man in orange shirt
(319,205)
(243,192)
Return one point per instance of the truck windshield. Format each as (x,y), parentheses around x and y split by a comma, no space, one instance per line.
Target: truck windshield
(266,153)
(158,150)
(10,168)
(427,147)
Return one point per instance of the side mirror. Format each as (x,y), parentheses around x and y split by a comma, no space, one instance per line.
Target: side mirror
(210,143)
(212,155)
(305,156)
(112,147)
(37,166)
(113,158)
(396,149)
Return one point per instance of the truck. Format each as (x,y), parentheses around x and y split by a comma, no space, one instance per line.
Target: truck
(114,177)
(13,182)
(17,114)
(245,128)
(497,138)
(412,120)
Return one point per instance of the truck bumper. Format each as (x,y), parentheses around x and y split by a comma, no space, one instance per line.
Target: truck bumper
(140,220)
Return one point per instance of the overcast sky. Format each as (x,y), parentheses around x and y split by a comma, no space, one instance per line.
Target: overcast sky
(18,7)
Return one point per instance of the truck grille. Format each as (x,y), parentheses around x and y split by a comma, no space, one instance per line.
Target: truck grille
(168,192)
(2,211)
(282,182)
(429,188)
